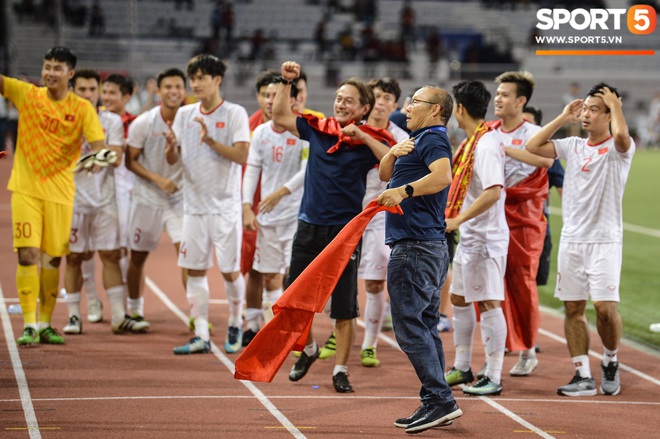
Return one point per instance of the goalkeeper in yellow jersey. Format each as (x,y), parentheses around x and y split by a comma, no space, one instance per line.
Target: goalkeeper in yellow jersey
(50,136)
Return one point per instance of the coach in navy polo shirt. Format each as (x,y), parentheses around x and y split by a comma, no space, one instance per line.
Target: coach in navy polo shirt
(419,171)
(341,152)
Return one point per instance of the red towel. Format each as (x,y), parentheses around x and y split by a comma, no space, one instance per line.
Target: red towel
(330,126)
(307,295)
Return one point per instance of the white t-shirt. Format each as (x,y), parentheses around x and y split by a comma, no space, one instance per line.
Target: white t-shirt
(375,186)
(516,171)
(212,183)
(146,134)
(97,190)
(280,156)
(486,234)
(594,181)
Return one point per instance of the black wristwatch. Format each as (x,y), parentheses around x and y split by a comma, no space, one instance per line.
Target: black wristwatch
(284,81)
(410,190)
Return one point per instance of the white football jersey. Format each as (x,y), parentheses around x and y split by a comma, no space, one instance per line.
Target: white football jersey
(212,183)
(516,171)
(488,233)
(375,186)
(97,190)
(594,181)
(146,134)
(280,156)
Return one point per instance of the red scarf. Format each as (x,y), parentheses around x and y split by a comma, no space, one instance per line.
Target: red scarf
(330,126)
(462,170)
(308,294)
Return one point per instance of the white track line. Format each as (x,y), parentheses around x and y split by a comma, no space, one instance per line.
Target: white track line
(487,400)
(19,373)
(229,365)
(342,398)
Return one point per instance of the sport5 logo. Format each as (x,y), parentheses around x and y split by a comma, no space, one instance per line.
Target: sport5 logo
(641,19)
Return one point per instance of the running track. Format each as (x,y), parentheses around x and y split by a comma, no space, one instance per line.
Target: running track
(115,386)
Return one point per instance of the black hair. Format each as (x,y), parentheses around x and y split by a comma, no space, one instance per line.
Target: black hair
(388,85)
(598,88)
(124,83)
(169,73)
(265,78)
(473,96)
(536,112)
(207,65)
(62,54)
(86,74)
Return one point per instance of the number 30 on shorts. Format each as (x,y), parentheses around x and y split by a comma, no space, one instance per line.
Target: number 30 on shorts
(23,230)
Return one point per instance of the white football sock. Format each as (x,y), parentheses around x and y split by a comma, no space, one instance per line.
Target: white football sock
(493,335)
(73,303)
(236,296)
(88,268)
(197,293)
(374,313)
(465,321)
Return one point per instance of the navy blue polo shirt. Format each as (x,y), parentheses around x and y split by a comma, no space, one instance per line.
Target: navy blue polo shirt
(334,183)
(423,216)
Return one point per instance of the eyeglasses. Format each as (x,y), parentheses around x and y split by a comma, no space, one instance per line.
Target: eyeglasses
(414,102)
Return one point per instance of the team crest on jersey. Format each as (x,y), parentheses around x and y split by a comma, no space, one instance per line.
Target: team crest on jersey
(219,124)
(602,151)
(70,118)
(290,141)
(517,142)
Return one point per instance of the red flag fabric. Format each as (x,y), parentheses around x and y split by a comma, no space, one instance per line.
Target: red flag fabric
(329,125)
(527,226)
(307,295)
(256,119)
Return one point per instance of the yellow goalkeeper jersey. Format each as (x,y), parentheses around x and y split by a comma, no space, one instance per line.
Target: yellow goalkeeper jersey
(50,136)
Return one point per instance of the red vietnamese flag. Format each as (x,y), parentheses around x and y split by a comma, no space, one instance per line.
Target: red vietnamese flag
(307,295)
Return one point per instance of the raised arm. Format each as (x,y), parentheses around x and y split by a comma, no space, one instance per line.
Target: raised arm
(237,152)
(618,125)
(172,145)
(283,115)
(540,143)
(527,157)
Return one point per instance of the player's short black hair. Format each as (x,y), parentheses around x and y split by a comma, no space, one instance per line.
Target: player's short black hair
(169,73)
(473,96)
(62,54)
(206,64)
(124,83)
(388,85)
(536,112)
(85,74)
(265,78)
(599,88)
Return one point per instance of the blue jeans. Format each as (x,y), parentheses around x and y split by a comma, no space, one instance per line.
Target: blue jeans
(415,274)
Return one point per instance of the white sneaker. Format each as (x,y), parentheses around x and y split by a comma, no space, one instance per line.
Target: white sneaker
(74,326)
(94,311)
(524,367)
